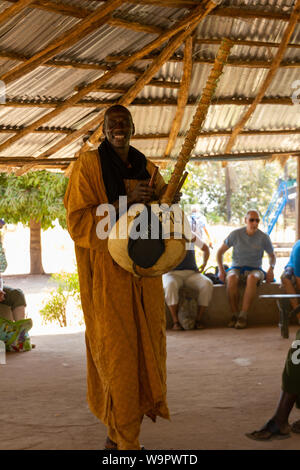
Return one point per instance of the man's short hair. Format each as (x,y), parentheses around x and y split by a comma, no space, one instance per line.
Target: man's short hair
(117,107)
(252,210)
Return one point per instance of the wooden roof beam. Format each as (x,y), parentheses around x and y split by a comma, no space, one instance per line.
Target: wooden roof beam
(56,63)
(20,160)
(220,11)
(122,67)
(232,156)
(59,8)
(244,42)
(128,97)
(232,12)
(96,103)
(64,163)
(270,75)
(183,95)
(165,3)
(43,130)
(67,63)
(120,89)
(251,13)
(167,52)
(231,62)
(14,9)
(222,133)
(116,58)
(201,135)
(78,12)
(135,26)
(64,41)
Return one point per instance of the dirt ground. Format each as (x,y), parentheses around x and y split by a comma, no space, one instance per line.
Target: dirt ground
(222,383)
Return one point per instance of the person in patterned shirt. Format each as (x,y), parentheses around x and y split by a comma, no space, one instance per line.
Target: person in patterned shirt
(12,301)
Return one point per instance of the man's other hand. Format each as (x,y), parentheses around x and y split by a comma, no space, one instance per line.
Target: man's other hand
(222,274)
(141,193)
(270,275)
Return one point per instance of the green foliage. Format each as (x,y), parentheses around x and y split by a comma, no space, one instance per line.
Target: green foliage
(252,185)
(205,185)
(54,309)
(68,282)
(36,195)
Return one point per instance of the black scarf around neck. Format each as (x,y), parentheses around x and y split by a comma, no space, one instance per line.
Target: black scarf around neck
(114,170)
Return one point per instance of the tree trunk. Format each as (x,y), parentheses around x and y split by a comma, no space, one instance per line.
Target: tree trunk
(36,266)
(228,193)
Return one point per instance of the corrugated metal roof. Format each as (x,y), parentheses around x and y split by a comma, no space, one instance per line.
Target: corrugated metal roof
(32,29)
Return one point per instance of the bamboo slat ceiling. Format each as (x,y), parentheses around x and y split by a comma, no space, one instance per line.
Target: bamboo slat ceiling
(62,62)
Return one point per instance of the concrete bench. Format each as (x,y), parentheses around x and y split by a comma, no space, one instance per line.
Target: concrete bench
(263,311)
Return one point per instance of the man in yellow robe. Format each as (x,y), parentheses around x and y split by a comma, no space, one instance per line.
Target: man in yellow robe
(124,314)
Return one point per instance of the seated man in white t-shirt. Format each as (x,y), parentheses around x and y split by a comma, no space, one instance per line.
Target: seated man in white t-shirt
(188,274)
(249,244)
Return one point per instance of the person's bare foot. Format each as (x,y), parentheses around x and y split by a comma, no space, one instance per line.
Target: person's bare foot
(110,445)
(269,431)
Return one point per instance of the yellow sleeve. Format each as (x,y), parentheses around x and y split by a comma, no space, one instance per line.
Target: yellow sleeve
(85,192)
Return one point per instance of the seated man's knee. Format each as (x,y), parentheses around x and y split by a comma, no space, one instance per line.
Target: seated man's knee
(171,286)
(232,280)
(171,293)
(209,285)
(252,278)
(15,297)
(19,296)
(205,287)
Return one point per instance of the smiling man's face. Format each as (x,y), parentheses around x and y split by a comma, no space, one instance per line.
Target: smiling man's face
(118,127)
